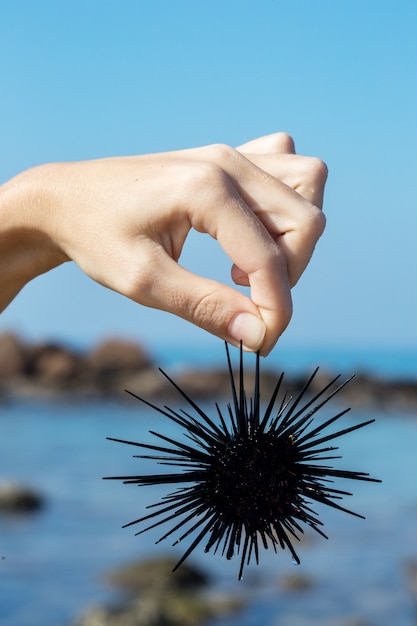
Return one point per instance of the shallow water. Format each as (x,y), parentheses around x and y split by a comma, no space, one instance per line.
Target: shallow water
(52,562)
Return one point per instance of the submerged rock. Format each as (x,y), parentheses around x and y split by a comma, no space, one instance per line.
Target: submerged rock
(157,597)
(17,498)
(297,582)
(142,576)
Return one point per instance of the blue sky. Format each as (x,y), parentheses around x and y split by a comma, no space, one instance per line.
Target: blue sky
(91,78)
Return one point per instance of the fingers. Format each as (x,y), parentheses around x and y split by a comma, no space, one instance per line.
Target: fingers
(297,246)
(221,310)
(275,154)
(298,226)
(306,175)
(277,143)
(251,248)
(267,229)
(292,221)
(257,321)
(133,216)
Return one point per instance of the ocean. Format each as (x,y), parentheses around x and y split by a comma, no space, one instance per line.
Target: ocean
(53,562)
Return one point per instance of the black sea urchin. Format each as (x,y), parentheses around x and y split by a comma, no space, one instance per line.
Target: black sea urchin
(252,476)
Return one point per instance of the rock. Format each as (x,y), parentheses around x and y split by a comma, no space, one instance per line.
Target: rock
(114,363)
(152,610)
(12,356)
(16,498)
(118,364)
(117,355)
(141,576)
(159,597)
(296,582)
(53,364)
(202,384)
(148,383)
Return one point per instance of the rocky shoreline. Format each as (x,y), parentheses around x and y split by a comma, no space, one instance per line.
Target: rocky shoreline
(151,595)
(55,371)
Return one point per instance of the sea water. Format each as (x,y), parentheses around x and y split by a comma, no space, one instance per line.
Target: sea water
(52,563)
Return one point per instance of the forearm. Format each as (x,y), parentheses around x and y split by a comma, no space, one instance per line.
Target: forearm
(26,246)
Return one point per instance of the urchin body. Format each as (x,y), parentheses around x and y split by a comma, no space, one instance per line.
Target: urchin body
(249,477)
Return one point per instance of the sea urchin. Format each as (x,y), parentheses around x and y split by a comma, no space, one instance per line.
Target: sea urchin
(250,475)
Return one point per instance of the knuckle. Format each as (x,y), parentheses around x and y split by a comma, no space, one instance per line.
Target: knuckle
(283,142)
(315,221)
(221,153)
(204,175)
(206,311)
(317,169)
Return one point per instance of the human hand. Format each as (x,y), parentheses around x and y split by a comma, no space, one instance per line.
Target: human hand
(124,221)
(276,155)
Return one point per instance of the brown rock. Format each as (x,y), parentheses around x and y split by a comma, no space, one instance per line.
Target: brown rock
(117,355)
(158,597)
(53,364)
(203,384)
(12,355)
(148,382)
(143,576)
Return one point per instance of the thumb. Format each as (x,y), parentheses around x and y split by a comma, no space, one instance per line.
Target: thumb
(217,308)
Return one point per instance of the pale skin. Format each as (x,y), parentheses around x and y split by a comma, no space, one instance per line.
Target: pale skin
(124,221)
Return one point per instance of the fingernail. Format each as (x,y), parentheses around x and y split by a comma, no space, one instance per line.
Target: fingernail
(248,329)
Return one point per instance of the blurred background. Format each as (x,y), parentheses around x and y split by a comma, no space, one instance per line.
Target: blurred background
(90,79)
(94,79)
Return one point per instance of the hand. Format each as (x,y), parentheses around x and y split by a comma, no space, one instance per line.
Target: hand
(124,221)
(276,155)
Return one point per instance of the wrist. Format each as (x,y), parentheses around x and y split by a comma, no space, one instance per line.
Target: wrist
(27,247)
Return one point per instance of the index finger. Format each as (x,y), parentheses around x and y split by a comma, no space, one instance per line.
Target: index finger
(249,245)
